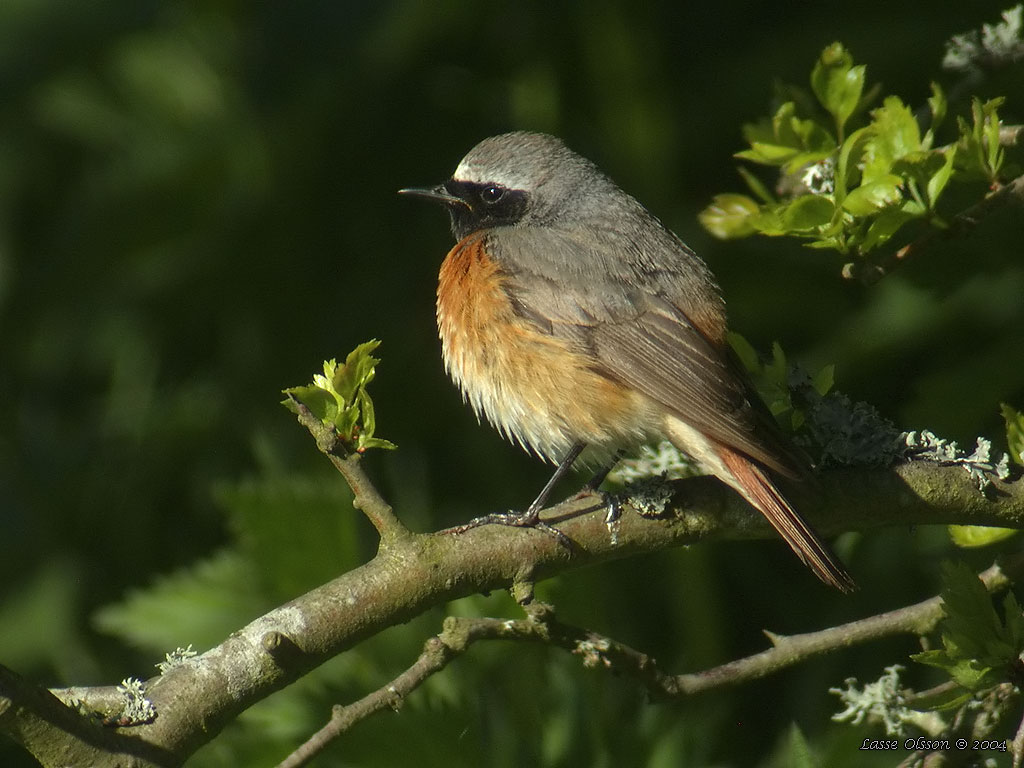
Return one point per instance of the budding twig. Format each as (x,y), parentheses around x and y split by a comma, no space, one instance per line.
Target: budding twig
(366,497)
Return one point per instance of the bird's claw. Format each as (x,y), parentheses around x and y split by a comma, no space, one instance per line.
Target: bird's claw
(528,519)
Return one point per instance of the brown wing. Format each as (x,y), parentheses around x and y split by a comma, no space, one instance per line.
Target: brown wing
(655,325)
(660,353)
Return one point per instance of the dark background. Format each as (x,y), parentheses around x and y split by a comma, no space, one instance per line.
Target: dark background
(197,206)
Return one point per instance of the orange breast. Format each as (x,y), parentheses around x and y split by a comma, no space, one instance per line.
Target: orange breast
(534,387)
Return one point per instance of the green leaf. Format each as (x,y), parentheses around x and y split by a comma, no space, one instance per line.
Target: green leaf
(933,658)
(1014,432)
(771,378)
(971,621)
(943,699)
(808,212)
(356,373)
(867,199)
(345,422)
(321,402)
(974,536)
(979,649)
(995,151)
(928,171)
(966,672)
(369,443)
(339,398)
(366,439)
(767,154)
(744,351)
(938,105)
(847,171)
(970,158)
(773,384)
(756,186)
(368,413)
(786,140)
(784,124)
(768,220)
(837,83)
(894,134)
(979,151)
(974,676)
(729,216)
(796,752)
(941,177)
(887,223)
(824,380)
(836,243)
(777,370)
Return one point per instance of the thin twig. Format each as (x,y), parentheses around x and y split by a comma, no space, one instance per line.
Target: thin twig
(458,634)
(787,650)
(366,498)
(435,657)
(967,219)
(963,222)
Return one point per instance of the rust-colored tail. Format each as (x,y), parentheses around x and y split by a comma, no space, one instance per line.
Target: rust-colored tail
(758,489)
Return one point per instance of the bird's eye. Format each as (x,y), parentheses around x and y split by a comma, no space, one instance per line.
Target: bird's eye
(492,193)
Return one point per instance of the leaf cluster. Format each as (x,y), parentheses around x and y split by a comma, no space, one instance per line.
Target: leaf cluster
(1014,432)
(773,379)
(852,190)
(979,649)
(822,422)
(339,399)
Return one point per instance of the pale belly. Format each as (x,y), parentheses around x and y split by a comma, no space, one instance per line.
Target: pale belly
(532,386)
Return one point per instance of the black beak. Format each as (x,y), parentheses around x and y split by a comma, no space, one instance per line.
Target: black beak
(438,194)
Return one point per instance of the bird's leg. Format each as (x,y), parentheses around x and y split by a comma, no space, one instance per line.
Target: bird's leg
(599,477)
(530,518)
(593,485)
(532,513)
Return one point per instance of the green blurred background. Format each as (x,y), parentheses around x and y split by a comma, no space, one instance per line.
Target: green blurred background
(197,206)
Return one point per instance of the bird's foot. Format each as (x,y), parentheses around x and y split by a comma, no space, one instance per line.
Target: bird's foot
(607,501)
(528,519)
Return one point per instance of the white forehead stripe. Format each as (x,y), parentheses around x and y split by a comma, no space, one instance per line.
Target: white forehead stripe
(514,160)
(506,177)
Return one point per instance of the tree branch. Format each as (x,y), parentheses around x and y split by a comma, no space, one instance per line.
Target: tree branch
(599,651)
(868,271)
(57,735)
(967,219)
(787,650)
(413,572)
(366,498)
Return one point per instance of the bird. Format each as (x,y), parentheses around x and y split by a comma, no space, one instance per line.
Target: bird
(573,320)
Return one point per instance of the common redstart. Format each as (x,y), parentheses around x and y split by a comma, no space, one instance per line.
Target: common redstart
(570,316)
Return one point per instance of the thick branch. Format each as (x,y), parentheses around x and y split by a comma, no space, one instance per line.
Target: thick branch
(58,735)
(414,572)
